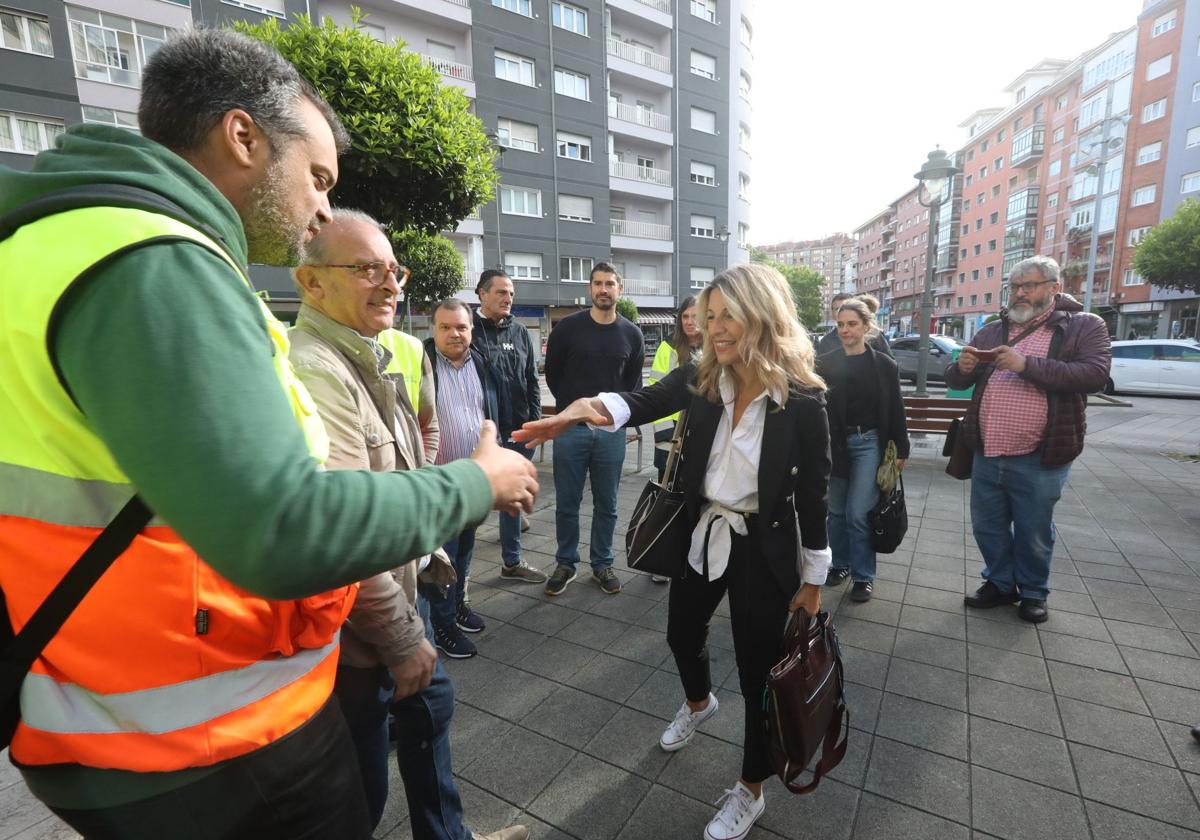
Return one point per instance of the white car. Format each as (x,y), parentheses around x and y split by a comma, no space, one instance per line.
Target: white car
(1170,367)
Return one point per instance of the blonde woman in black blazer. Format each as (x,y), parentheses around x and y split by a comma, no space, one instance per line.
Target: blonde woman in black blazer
(754,471)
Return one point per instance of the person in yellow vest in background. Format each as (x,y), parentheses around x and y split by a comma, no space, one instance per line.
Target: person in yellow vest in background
(188,695)
(410,362)
(684,343)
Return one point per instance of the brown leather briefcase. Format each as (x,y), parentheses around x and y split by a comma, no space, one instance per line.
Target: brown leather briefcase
(806,702)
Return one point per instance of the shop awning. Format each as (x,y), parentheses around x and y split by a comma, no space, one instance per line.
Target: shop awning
(652,317)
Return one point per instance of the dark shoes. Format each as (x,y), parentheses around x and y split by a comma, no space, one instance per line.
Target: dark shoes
(559,580)
(835,576)
(989,595)
(468,620)
(608,580)
(1033,610)
(861,591)
(452,643)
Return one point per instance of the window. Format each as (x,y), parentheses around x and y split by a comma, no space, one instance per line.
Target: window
(991,244)
(1178,353)
(1145,195)
(703,120)
(109,116)
(966,205)
(523,266)
(1158,67)
(1057,137)
(743,234)
(1137,235)
(970,155)
(517,135)
(978,250)
(1039,112)
(1196,92)
(979,224)
(746,33)
(574,146)
(521,7)
(702,276)
(1154,110)
(1061,102)
(1163,24)
(1055,168)
(998,164)
(703,173)
(574,208)
(1153,151)
(704,227)
(1052,200)
(1189,183)
(960,300)
(27,135)
(1082,217)
(703,64)
(744,85)
(705,10)
(1092,110)
(966,229)
(1193,137)
(568,17)
(991,272)
(974,300)
(575,269)
(113,49)
(744,137)
(517,201)
(995,217)
(983,170)
(568,83)
(996,191)
(967,181)
(1132,278)
(979,198)
(514,68)
(743,186)
(25,33)
(1048,233)
(1000,133)
(1133,351)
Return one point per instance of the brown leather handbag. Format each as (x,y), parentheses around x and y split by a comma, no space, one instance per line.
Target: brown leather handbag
(806,702)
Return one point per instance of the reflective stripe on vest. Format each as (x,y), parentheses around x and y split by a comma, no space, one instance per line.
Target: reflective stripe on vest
(665,360)
(165,664)
(408,360)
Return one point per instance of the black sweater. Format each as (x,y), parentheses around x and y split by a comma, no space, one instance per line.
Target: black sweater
(584,358)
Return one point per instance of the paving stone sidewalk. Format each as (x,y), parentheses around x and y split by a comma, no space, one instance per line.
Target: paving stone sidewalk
(964,725)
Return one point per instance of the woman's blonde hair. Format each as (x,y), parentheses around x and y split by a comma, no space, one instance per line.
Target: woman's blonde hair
(870,300)
(863,311)
(774,344)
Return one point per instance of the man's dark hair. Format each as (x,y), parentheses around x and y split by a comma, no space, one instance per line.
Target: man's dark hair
(486,278)
(200,75)
(840,296)
(450,305)
(605,268)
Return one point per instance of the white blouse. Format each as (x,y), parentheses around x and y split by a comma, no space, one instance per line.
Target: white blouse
(730,484)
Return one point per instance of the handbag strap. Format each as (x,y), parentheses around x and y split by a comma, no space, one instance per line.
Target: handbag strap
(832,752)
(672,468)
(24,649)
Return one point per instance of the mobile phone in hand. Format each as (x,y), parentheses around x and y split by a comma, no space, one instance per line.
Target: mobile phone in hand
(984,355)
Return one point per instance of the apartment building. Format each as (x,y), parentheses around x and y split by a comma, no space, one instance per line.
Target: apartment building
(874,258)
(831,257)
(623,126)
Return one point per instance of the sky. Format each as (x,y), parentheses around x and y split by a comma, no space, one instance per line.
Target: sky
(849,97)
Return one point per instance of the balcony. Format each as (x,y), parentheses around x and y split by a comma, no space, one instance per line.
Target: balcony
(649,288)
(659,12)
(640,122)
(1028,146)
(635,172)
(639,55)
(456,11)
(640,230)
(446,67)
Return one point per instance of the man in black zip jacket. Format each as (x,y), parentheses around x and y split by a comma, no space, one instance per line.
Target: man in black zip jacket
(508,352)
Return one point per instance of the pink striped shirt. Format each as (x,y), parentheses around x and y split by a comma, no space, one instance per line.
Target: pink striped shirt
(1012,415)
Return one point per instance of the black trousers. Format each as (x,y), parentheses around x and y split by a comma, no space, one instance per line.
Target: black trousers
(758,612)
(305,785)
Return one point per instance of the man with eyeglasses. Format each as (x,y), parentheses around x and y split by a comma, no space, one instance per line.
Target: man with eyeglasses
(1033,368)
(349,283)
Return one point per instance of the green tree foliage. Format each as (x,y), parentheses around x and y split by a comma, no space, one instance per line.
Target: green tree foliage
(627,309)
(419,158)
(806,286)
(1169,255)
(436,265)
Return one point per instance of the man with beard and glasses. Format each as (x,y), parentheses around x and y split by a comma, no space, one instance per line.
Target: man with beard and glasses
(591,351)
(188,695)
(1033,368)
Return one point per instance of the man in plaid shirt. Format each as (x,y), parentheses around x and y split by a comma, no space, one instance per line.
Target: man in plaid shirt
(1033,369)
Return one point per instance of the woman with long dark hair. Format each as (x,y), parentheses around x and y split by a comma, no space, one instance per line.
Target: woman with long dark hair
(754,473)
(684,344)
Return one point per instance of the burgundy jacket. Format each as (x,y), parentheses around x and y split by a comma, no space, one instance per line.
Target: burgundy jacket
(1077,365)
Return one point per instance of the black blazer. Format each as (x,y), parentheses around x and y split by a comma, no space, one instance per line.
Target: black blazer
(793,472)
(892,425)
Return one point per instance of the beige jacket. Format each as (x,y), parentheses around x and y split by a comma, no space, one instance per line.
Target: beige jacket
(364,412)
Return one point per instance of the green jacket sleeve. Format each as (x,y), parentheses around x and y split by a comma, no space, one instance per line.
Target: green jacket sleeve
(166,353)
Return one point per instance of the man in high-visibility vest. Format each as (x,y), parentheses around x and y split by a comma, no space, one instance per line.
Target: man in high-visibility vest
(188,695)
(409,362)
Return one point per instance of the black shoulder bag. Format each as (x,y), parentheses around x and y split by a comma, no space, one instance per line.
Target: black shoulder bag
(660,533)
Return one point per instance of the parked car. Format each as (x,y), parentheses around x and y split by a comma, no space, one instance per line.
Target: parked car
(1170,367)
(940,349)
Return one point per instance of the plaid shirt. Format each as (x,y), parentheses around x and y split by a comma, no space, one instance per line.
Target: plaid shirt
(1012,415)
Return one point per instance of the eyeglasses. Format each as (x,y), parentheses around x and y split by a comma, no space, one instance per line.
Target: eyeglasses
(1018,288)
(374,273)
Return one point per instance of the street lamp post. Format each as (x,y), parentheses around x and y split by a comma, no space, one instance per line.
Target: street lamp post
(498,148)
(935,176)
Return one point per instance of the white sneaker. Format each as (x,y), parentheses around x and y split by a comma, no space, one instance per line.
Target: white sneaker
(737,815)
(682,729)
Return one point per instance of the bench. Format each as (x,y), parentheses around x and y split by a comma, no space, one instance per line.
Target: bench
(933,414)
(631,435)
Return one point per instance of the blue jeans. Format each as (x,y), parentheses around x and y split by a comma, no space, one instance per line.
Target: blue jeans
(850,500)
(578,451)
(510,526)
(1012,513)
(443,610)
(422,744)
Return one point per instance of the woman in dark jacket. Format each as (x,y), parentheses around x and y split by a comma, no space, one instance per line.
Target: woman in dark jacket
(754,474)
(865,412)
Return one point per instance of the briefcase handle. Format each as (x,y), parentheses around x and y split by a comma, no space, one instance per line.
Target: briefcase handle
(798,632)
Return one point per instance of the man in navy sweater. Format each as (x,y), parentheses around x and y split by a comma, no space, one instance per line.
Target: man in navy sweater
(589,352)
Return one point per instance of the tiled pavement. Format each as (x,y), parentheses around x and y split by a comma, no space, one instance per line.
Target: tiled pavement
(963,725)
